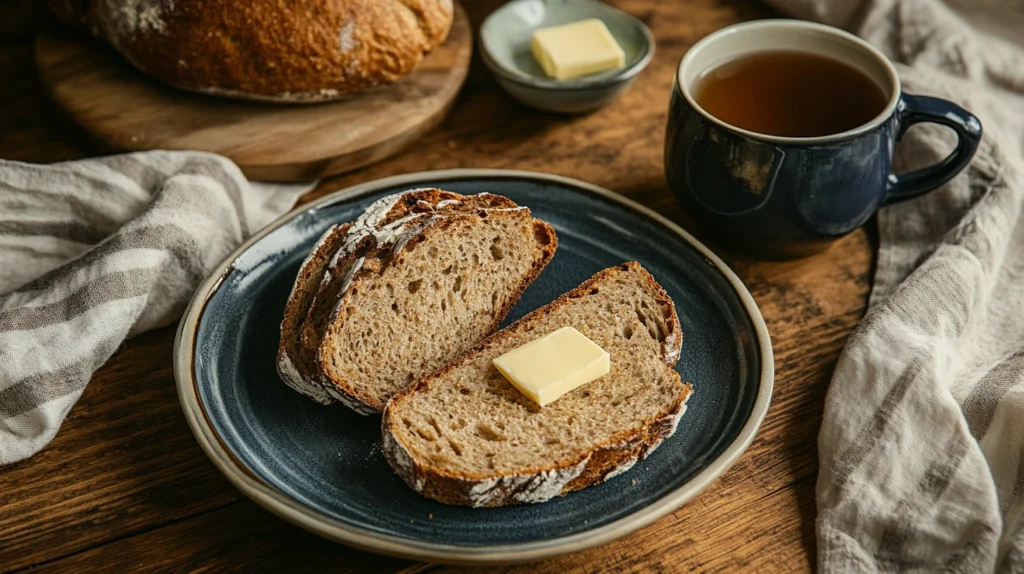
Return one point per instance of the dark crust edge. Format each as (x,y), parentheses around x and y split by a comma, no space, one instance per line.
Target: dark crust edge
(294,314)
(601,462)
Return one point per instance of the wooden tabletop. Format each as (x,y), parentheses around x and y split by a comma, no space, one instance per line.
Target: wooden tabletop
(124,486)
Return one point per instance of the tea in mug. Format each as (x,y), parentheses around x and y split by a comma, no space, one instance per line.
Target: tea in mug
(790,93)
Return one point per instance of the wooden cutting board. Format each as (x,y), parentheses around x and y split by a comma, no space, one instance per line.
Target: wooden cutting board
(127,110)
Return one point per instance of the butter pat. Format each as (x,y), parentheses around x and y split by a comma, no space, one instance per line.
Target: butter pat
(546,368)
(576,49)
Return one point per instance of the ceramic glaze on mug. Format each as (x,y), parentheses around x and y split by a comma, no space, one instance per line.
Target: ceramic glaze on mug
(782,196)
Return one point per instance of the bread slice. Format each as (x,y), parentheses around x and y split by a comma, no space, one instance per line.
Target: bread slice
(417,280)
(466,436)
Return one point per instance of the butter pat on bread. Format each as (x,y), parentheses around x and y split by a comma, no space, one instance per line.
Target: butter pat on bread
(550,366)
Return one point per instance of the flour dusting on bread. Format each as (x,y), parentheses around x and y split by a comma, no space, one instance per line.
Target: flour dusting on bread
(123,21)
(346,41)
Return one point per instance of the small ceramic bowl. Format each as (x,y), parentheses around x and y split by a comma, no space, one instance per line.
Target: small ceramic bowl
(505,37)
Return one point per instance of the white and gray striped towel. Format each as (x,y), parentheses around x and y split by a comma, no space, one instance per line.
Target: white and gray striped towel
(922,445)
(95,251)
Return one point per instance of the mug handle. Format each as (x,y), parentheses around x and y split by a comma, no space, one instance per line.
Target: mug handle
(917,109)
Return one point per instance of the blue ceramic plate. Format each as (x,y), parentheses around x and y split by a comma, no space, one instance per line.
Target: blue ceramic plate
(321,467)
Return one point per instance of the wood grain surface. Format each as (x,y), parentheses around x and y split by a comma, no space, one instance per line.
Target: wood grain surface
(127,111)
(124,485)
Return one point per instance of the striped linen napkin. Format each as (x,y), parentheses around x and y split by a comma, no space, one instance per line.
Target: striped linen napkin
(95,251)
(922,444)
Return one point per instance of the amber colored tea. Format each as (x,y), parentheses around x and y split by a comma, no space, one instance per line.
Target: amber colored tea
(790,93)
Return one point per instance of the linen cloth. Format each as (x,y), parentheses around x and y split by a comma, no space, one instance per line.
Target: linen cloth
(922,444)
(93,252)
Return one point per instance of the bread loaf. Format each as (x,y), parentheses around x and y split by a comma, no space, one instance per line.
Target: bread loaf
(466,436)
(417,280)
(295,51)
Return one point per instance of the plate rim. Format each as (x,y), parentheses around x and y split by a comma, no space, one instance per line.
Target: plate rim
(299,514)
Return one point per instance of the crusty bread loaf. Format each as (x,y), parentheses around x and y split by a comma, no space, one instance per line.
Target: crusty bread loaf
(417,280)
(296,51)
(466,436)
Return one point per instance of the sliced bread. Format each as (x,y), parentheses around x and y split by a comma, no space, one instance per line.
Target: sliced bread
(465,436)
(414,282)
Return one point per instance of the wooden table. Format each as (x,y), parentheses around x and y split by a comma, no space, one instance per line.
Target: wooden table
(124,486)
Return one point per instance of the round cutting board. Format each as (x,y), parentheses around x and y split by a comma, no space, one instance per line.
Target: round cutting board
(272,142)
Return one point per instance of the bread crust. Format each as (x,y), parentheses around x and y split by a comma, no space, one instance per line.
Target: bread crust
(299,51)
(293,366)
(542,482)
(357,256)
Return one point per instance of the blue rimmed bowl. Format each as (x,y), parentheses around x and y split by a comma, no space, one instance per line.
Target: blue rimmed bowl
(505,38)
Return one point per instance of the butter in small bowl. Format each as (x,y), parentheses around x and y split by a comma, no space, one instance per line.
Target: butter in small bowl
(568,83)
(577,49)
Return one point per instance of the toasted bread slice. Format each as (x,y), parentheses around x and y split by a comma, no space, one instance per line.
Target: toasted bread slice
(465,436)
(417,280)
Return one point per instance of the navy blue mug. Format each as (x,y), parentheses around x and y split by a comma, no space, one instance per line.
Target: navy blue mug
(784,197)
